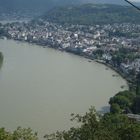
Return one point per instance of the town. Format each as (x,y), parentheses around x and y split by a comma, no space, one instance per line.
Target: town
(117,45)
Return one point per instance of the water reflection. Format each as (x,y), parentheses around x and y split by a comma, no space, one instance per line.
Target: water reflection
(1,59)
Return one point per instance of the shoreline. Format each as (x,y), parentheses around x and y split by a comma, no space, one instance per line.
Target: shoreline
(128,81)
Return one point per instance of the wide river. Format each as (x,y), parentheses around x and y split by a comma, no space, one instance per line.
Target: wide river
(41,87)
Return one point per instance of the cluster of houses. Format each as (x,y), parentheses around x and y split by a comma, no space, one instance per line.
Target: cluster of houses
(101,42)
(133,66)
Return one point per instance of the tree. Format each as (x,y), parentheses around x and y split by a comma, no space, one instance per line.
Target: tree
(129,132)
(18,134)
(4,135)
(90,129)
(115,108)
(122,101)
(95,127)
(136,105)
(128,94)
(117,60)
(125,101)
(138,84)
(114,121)
(24,134)
(121,127)
(92,126)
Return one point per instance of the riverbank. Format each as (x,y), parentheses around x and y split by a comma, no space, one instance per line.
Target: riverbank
(130,81)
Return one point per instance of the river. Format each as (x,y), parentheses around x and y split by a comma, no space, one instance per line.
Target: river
(41,87)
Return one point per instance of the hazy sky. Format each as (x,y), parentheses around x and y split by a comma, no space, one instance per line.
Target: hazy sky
(136,0)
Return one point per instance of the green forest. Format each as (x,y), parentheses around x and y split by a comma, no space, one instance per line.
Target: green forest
(90,14)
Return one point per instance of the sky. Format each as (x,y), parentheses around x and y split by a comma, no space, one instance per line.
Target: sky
(136,0)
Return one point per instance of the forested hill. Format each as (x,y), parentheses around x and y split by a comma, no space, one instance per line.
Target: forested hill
(93,14)
(44,5)
(7,6)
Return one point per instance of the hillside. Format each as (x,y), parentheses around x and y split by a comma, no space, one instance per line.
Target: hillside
(44,5)
(33,5)
(93,14)
(37,7)
(11,9)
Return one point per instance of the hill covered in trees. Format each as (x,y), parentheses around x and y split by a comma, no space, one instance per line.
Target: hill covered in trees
(90,14)
(29,8)
(8,5)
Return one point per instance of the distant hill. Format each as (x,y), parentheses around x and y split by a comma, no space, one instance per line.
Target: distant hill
(38,7)
(44,5)
(30,7)
(33,5)
(93,14)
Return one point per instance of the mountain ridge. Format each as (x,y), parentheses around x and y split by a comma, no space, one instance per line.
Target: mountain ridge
(44,5)
(92,14)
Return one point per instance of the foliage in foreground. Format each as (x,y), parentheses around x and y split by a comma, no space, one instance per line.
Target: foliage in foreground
(95,127)
(92,126)
(18,134)
(122,102)
(127,101)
